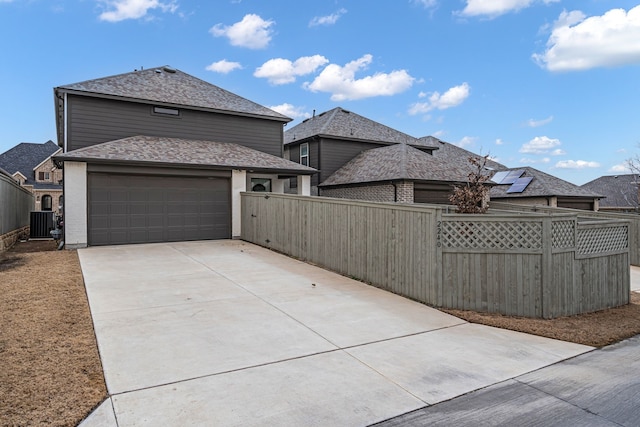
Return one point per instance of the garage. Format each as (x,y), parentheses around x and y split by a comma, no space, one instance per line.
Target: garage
(134,208)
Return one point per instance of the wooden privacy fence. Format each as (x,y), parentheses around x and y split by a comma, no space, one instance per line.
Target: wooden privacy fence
(633,219)
(518,264)
(15,204)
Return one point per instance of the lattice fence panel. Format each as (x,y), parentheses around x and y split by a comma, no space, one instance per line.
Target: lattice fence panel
(601,240)
(563,234)
(491,234)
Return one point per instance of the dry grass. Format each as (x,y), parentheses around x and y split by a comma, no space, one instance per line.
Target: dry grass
(51,373)
(595,329)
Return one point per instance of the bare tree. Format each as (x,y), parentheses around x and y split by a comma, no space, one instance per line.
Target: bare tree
(472,197)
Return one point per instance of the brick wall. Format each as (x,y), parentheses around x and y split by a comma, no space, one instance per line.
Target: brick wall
(402,193)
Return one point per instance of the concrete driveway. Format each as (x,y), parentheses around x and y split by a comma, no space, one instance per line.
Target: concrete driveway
(229,333)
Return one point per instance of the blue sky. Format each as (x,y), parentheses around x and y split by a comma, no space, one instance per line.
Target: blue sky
(552,84)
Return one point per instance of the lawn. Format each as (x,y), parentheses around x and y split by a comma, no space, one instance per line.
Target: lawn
(51,372)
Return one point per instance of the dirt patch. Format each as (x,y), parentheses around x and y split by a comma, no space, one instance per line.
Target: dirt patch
(595,329)
(51,373)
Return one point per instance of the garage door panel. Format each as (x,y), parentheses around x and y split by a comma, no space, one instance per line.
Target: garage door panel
(137,208)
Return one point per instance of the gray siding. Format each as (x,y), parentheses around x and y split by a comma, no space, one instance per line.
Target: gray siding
(93,121)
(336,153)
(432,193)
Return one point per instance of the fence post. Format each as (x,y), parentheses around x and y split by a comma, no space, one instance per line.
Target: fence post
(439,268)
(547,268)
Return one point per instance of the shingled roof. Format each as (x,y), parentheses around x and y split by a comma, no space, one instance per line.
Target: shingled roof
(167,85)
(342,124)
(542,185)
(621,190)
(397,162)
(454,154)
(158,151)
(25,156)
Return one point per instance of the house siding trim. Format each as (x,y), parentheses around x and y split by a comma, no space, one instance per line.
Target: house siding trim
(75,205)
(238,186)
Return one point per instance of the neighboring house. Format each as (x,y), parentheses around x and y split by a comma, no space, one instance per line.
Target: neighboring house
(398,173)
(529,186)
(31,166)
(621,192)
(330,140)
(159,155)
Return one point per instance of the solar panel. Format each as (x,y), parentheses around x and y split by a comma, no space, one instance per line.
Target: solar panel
(520,185)
(499,176)
(507,177)
(512,176)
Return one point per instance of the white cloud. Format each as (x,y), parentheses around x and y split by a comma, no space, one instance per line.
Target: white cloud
(558,152)
(537,123)
(576,164)
(540,145)
(252,32)
(133,9)
(467,141)
(327,20)
(224,67)
(426,3)
(530,161)
(499,141)
(451,98)
(281,71)
(494,8)
(343,85)
(580,43)
(291,111)
(621,168)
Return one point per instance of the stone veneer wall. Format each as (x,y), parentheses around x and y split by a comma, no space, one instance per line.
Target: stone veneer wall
(9,239)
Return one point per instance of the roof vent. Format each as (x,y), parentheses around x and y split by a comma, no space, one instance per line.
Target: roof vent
(169,70)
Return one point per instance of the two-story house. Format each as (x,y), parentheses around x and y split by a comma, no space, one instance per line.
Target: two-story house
(31,166)
(159,155)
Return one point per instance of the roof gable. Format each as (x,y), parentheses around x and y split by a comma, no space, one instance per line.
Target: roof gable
(621,190)
(25,156)
(170,86)
(342,124)
(397,162)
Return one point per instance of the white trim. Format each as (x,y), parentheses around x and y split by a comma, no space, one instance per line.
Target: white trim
(45,160)
(304,185)
(65,124)
(19,173)
(238,185)
(304,144)
(75,209)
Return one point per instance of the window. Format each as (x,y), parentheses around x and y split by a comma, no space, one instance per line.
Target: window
(46,203)
(261,184)
(164,111)
(43,176)
(304,154)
